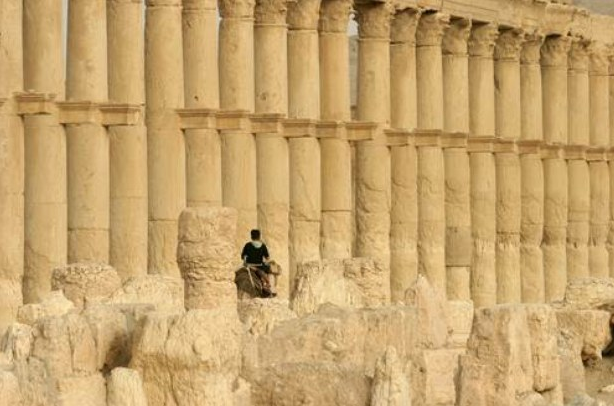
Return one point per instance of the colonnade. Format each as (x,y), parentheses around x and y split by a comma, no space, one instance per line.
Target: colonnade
(479,155)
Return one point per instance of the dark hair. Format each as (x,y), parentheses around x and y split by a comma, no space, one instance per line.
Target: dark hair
(255,234)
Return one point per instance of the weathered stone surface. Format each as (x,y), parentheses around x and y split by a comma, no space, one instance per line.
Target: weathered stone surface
(459,318)
(54,304)
(512,351)
(390,384)
(356,282)
(125,388)
(164,292)
(261,316)
(9,389)
(82,391)
(208,257)
(431,307)
(434,376)
(80,282)
(590,293)
(192,358)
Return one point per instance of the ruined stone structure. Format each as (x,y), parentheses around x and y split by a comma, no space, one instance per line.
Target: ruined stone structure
(478,155)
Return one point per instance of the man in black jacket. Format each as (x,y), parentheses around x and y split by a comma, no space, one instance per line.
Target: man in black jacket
(255,255)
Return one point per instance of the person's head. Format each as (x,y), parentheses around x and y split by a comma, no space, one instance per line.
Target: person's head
(255,234)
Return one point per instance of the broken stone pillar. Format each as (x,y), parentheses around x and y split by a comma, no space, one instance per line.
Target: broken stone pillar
(165,144)
(87,143)
(554,87)
(579,182)
(304,103)
(200,64)
(532,174)
(404,209)
(600,139)
(271,65)
(457,176)
(373,186)
(45,151)
(508,127)
(207,255)
(483,171)
(11,163)
(431,170)
(390,382)
(236,58)
(337,225)
(128,144)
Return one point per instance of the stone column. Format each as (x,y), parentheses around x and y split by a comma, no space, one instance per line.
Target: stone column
(373,186)
(87,144)
(483,172)
(128,144)
(337,227)
(600,139)
(431,170)
(11,163)
(304,102)
(611,167)
(236,59)
(508,127)
(457,176)
(532,174)
(554,87)
(271,65)
(200,63)
(165,145)
(577,169)
(45,151)
(404,210)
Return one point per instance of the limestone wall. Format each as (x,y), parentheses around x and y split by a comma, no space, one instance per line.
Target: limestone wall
(478,155)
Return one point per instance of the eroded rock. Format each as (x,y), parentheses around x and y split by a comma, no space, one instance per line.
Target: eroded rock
(80,282)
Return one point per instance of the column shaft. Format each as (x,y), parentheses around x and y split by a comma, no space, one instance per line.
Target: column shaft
(554,87)
(431,169)
(578,173)
(165,144)
(483,170)
(610,243)
(236,62)
(304,102)
(404,209)
(11,163)
(271,65)
(532,174)
(457,177)
(87,144)
(45,151)
(373,186)
(337,227)
(508,127)
(599,138)
(200,61)
(128,144)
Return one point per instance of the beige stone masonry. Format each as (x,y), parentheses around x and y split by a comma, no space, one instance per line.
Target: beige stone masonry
(457,176)
(431,166)
(404,207)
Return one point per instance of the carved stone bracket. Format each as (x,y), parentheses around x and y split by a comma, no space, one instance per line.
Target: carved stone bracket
(553,151)
(398,137)
(481,144)
(505,146)
(31,103)
(427,138)
(529,147)
(454,140)
(575,152)
(597,154)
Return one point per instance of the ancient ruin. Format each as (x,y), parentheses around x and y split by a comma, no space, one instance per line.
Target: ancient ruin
(445,231)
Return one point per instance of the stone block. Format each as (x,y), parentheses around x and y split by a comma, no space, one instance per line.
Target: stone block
(165,293)
(125,388)
(81,282)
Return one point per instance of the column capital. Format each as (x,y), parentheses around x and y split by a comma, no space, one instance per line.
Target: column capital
(554,51)
(509,45)
(335,15)
(577,59)
(531,48)
(374,19)
(404,26)
(456,38)
(431,29)
(599,56)
(483,39)
(236,8)
(304,14)
(193,5)
(271,11)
